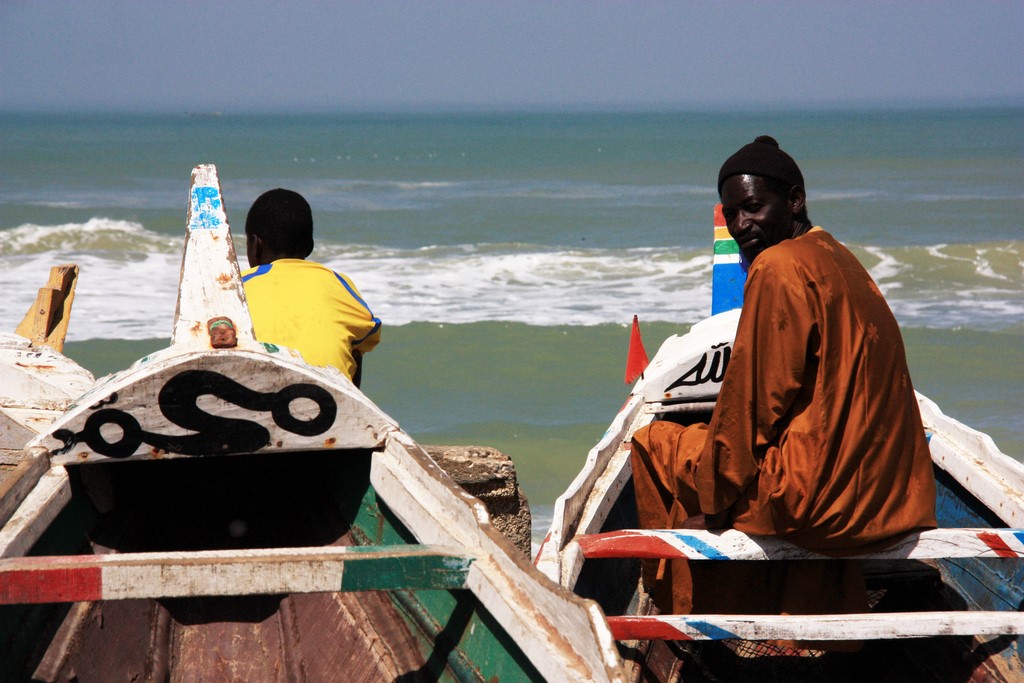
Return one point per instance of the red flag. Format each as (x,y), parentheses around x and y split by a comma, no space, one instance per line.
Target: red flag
(636,361)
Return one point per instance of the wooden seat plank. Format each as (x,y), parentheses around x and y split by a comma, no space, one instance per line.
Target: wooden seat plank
(126,576)
(735,545)
(816,627)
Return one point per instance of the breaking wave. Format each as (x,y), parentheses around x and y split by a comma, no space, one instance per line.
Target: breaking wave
(127,287)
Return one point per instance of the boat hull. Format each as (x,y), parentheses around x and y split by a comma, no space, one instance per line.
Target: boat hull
(978,488)
(238,503)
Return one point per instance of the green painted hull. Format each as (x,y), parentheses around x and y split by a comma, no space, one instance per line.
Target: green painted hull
(452,636)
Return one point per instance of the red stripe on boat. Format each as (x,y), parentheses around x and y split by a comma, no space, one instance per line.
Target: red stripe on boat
(643,628)
(540,548)
(20,586)
(996,543)
(627,544)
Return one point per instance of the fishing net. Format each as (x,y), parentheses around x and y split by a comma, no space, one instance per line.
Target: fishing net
(736,661)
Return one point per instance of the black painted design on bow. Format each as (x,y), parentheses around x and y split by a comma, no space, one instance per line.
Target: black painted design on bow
(105,402)
(697,375)
(214,433)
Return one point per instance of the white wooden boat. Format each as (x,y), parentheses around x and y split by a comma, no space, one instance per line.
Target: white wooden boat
(221,510)
(37,382)
(949,601)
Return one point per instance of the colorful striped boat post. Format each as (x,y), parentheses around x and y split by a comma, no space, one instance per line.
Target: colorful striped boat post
(735,545)
(728,270)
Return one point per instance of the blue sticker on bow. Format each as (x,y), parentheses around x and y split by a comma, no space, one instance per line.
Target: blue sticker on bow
(205,208)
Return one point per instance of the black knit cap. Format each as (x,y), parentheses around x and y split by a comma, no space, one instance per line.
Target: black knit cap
(762,157)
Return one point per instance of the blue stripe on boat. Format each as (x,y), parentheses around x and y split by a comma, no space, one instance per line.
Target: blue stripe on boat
(710,630)
(703,548)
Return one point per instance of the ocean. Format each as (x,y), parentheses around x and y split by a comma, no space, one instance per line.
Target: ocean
(506,253)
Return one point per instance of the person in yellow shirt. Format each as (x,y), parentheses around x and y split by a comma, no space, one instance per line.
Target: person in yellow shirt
(297,303)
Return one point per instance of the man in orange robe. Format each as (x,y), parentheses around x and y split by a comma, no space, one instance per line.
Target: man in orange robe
(816,436)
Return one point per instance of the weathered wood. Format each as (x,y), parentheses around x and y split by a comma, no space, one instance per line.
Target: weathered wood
(736,545)
(36,385)
(38,377)
(973,459)
(184,402)
(565,637)
(46,323)
(898,625)
(39,508)
(568,515)
(130,576)
(210,285)
(13,432)
(16,485)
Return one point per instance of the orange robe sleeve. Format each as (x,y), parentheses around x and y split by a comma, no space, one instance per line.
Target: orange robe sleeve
(816,435)
(768,369)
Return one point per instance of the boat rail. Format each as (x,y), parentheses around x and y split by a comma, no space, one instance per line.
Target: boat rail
(129,576)
(733,545)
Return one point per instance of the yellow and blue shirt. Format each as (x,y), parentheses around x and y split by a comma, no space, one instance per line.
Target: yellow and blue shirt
(308,307)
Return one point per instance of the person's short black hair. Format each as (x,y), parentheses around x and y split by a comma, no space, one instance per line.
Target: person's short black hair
(283,220)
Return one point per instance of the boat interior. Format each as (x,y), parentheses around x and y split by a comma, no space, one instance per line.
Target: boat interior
(238,502)
(893,585)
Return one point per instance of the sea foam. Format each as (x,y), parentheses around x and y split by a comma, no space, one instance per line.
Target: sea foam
(129,275)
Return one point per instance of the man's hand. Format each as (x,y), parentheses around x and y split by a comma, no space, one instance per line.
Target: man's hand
(695,522)
(718,521)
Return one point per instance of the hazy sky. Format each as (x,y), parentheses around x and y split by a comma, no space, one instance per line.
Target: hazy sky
(245,56)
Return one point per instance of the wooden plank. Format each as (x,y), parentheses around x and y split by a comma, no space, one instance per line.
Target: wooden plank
(210,284)
(63,278)
(817,627)
(187,402)
(735,545)
(40,507)
(130,576)
(37,320)
(14,434)
(599,505)
(972,458)
(570,505)
(563,636)
(46,322)
(16,486)
(38,378)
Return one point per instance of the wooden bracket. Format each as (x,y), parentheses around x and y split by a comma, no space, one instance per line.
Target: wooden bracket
(46,323)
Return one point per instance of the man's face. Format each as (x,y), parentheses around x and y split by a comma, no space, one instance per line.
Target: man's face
(757,218)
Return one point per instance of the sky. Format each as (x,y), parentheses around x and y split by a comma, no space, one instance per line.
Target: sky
(181,55)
